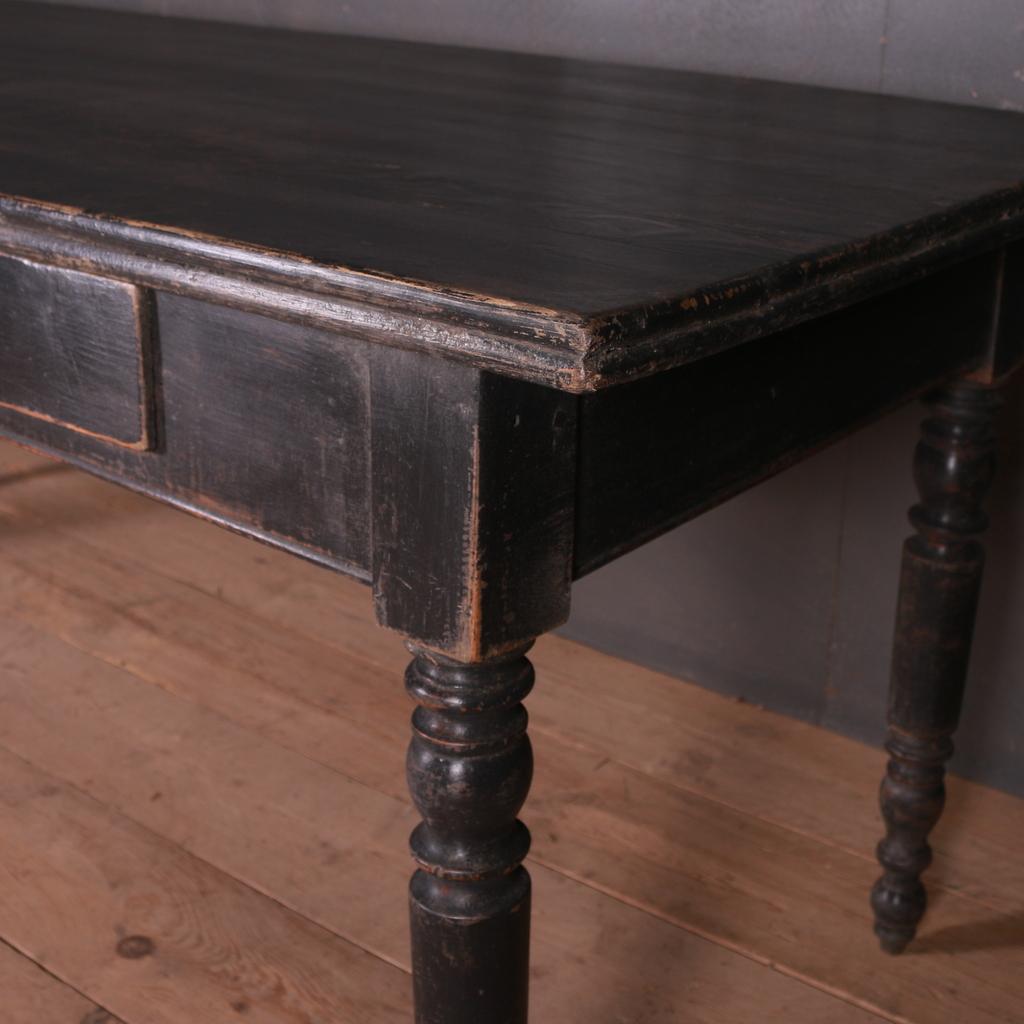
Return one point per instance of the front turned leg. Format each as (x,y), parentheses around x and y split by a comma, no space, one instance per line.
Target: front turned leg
(942,564)
(472,490)
(469,769)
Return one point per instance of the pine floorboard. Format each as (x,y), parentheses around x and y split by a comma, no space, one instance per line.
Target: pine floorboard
(203,743)
(31,994)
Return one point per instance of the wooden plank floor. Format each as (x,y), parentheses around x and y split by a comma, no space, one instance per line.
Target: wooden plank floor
(203,815)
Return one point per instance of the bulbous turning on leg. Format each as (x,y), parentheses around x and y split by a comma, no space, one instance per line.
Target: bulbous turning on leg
(469,768)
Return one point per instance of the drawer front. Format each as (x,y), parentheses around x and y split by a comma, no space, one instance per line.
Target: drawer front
(263,426)
(76,351)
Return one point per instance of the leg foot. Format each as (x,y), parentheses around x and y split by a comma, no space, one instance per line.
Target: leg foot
(912,798)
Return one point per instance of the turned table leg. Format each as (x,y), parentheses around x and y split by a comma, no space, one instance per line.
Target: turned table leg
(469,768)
(941,576)
(472,493)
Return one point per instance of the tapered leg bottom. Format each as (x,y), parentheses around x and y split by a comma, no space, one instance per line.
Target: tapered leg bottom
(912,798)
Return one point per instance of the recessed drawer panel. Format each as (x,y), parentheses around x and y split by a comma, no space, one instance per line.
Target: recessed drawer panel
(75,351)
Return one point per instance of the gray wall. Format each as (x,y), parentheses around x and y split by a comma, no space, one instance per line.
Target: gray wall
(786,595)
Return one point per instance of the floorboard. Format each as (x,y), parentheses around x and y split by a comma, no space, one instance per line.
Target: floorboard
(236,706)
(813,781)
(33,996)
(157,935)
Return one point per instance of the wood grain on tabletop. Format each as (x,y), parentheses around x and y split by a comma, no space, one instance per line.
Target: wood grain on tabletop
(560,185)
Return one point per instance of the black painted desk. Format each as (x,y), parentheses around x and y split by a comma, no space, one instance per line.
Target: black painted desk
(468,325)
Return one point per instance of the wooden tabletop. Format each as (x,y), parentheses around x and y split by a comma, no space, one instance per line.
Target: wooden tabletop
(616,220)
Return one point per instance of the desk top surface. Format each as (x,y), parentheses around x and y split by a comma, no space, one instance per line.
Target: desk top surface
(623,209)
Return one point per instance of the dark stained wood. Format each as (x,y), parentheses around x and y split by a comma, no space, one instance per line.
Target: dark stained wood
(263,427)
(942,563)
(504,336)
(469,769)
(379,283)
(473,491)
(472,507)
(1005,351)
(565,221)
(76,350)
(656,452)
